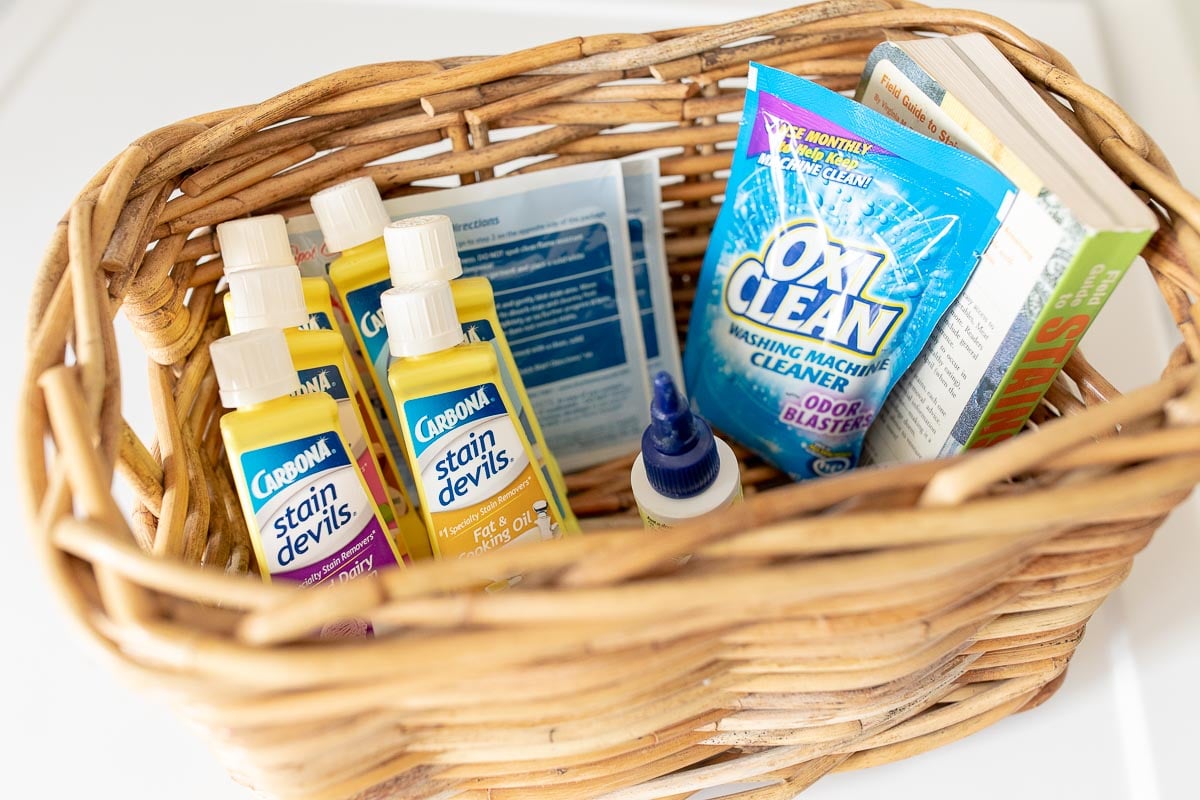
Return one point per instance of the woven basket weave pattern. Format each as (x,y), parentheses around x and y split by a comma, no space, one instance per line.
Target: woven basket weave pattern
(818,627)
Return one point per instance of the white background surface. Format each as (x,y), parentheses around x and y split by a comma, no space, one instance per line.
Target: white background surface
(80,79)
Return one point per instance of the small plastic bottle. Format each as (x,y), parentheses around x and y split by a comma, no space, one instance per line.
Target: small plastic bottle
(378,254)
(683,471)
(422,249)
(307,506)
(477,477)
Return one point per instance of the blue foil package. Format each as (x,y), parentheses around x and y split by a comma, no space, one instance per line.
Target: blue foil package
(843,239)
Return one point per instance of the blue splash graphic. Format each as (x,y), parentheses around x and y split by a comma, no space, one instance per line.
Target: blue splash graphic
(843,239)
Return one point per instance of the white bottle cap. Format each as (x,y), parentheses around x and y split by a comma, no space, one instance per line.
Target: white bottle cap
(253,367)
(421,249)
(266,297)
(255,242)
(350,213)
(420,319)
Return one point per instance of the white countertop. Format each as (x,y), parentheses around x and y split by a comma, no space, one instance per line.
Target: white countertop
(81,78)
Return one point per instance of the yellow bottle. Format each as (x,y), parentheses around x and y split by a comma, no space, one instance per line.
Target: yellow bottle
(306,503)
(273,296)
(422,249)
(377,254)
(479,484)
(359,281)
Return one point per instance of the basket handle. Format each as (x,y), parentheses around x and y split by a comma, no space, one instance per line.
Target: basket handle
(1178,393)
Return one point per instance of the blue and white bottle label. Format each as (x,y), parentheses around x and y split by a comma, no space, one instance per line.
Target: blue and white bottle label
(315,521)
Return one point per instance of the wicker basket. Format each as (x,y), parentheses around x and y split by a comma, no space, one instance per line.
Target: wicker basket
(825,626)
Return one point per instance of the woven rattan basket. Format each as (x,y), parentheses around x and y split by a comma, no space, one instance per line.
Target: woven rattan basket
(825,626)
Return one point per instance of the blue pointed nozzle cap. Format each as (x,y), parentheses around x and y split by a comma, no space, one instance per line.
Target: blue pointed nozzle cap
(678,448)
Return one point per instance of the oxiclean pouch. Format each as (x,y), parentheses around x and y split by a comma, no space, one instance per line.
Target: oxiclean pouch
(843,239)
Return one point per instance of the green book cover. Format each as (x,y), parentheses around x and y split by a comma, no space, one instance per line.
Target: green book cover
(1065,317)
(1037,288)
